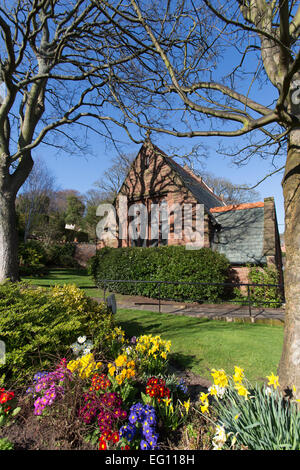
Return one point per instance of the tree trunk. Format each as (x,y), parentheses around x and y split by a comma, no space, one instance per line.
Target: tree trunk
(9,268)
(289,367)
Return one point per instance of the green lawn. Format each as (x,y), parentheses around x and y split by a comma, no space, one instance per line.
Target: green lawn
(202,344)
(60,276)
(197,344)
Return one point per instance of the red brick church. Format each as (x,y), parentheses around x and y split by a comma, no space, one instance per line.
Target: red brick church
(245,233)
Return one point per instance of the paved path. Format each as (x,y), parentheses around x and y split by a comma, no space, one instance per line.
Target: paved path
(228,312)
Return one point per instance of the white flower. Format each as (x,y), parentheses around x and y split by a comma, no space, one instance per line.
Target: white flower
(220,438)
(81,339)
(76,348)
(220,390)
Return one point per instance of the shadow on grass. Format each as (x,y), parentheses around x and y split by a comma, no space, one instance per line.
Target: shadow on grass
(178,360)
(61,276)
(133,328)
(183,361)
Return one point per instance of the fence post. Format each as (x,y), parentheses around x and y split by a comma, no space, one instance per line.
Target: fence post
(249,300)
(159,309)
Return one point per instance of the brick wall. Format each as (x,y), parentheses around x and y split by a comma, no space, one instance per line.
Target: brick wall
(272,245)
(83,252)
(150,181)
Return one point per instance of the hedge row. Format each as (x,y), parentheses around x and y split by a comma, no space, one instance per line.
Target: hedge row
(34,256)
(171,263)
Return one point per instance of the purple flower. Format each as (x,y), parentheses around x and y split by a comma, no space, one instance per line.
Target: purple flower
(152,439)
(128,431)
(38,376)
(145,415)
(144,445)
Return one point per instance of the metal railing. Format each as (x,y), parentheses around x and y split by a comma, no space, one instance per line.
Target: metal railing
(104,283)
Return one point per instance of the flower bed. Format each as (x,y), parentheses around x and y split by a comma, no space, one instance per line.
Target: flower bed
(122,396)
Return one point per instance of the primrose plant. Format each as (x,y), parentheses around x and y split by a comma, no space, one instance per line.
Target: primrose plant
(82,346)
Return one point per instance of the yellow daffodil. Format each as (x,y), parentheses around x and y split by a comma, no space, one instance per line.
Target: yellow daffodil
(203,397)
(204,407)
(273,380)
(213,390)
(84,365)
(242,390)
(167,401)
(187,405)
(220,378)
(238,374)
(205,403)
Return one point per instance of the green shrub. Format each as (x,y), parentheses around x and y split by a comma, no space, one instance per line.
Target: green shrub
(35,256)
(269,275)
(32,257)
(172,263)
(262,296)
(61,255)
(38,324)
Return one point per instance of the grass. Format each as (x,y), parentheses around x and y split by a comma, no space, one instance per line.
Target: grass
(200,344)
(61,276)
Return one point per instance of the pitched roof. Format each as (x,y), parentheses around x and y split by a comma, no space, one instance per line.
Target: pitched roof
(200,190)
(203,194)
(241,233)
(237,207)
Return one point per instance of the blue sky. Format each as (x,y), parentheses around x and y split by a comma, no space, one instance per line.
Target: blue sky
(81,171)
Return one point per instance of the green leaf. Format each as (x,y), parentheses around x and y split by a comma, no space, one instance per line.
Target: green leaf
(16,411)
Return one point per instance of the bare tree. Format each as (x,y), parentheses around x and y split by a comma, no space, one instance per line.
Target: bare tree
(188,68)
(230,192)
(58,60)
(36,195)
(110,182)
(236,74)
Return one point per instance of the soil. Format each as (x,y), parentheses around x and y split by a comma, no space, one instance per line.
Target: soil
(195,383)
(30,433)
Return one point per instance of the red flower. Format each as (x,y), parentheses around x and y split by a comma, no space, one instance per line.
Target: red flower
(157,388)
(6,396)
(102,445)
(115,437)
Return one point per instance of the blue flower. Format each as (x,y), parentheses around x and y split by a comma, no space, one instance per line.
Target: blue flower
(128,431)
(145,415)
(144,445)
(38,376)
(150,420)
(182,386)
(152,439)
(147,431)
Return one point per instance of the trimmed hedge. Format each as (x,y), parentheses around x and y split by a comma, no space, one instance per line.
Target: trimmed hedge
(170,263)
